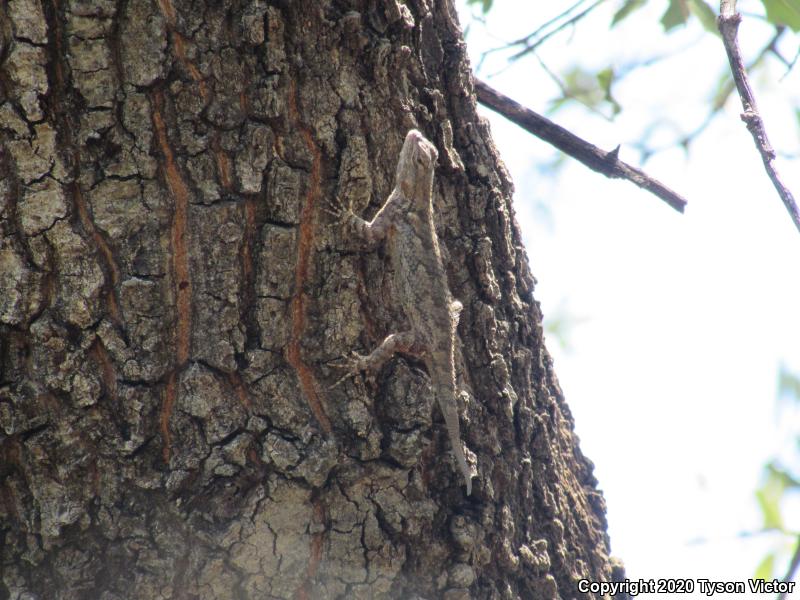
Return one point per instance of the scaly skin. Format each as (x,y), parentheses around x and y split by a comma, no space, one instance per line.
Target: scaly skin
(420,282)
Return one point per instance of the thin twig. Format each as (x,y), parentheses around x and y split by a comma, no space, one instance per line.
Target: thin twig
(791,64)
(728,23)
(590,155)
(530,47)
(526,39)
(545,25)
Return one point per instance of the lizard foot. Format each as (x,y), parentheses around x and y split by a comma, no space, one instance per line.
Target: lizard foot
(341,212)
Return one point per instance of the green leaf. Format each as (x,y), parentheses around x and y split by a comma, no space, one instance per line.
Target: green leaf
(786,478)
(766,567)
(592,90)
(770,510)
(677,14)
(626,9)
(705,14)
(783,12)
(769,500)
(605,78)
(581,85)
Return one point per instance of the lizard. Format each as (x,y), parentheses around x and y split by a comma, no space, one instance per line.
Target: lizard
(405,221)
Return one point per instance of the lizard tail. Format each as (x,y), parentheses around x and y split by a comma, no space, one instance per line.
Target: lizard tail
(455,311)
(444,383)
(446,397)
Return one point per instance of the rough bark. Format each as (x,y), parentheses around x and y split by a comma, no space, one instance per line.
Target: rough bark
(171,291)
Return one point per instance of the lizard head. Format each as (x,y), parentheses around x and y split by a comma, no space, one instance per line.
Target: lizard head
(415,167)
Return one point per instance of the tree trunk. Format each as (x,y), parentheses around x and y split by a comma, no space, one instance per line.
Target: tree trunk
(172,292)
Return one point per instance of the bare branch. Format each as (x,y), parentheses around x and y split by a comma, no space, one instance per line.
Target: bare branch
(728,23)
(590,155)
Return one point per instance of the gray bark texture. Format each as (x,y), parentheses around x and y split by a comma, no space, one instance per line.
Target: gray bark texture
(173,293)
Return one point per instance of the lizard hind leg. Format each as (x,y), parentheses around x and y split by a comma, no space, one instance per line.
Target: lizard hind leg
(392,344)
(396,342)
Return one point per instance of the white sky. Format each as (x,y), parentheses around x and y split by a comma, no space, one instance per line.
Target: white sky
(681,321)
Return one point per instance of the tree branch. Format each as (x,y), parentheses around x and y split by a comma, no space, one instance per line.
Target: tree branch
(728,23)
(590,155)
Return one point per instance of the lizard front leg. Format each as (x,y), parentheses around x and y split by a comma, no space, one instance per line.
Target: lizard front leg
(370,232)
